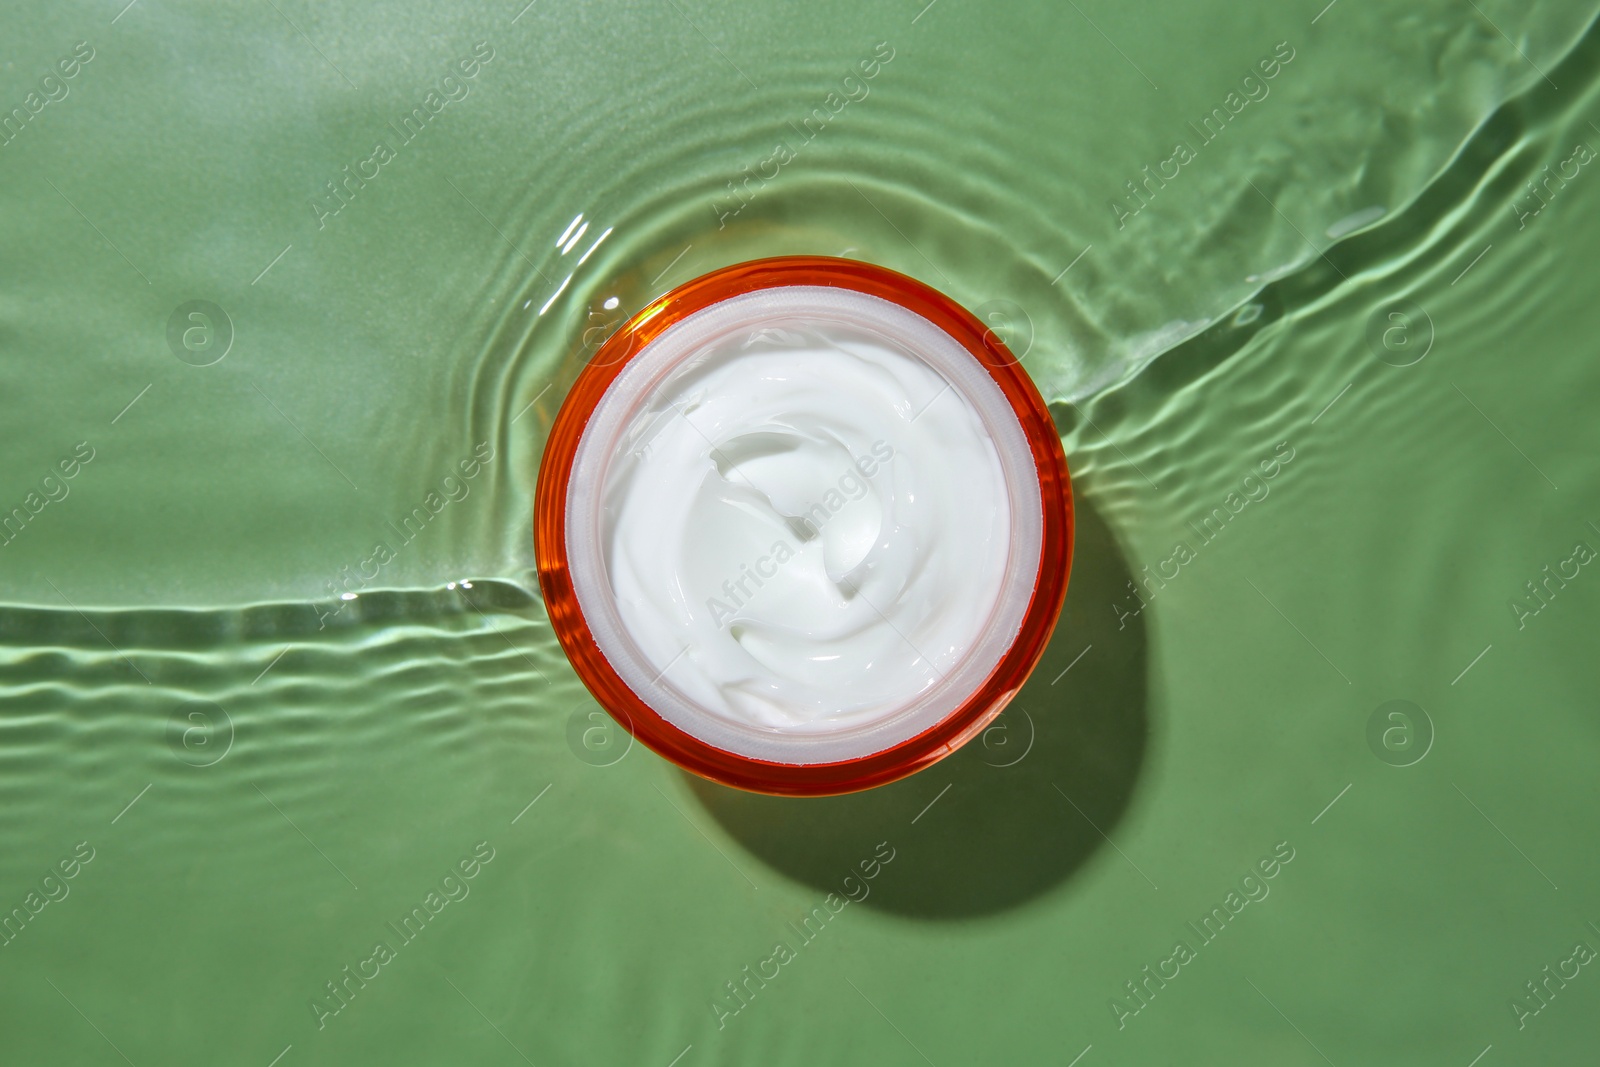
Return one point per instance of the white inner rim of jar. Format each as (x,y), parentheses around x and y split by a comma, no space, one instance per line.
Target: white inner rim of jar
(715,331)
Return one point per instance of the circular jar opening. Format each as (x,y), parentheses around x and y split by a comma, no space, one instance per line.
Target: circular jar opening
(803,526)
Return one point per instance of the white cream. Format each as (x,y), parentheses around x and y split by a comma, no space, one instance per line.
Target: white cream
(798,525)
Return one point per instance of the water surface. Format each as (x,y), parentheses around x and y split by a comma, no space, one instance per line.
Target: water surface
(269,778)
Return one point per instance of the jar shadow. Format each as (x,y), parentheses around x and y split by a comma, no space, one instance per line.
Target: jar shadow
(1014,813)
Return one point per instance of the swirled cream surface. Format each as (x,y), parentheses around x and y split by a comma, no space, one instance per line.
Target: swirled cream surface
(803,526)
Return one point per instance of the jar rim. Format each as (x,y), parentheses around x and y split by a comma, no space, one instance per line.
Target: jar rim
(574,630)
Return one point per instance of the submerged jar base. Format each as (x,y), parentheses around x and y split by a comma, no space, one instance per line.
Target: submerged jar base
(803,526)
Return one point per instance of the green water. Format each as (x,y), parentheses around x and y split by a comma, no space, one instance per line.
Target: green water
(266,779)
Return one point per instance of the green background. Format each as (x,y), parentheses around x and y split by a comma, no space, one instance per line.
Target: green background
(248,848)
